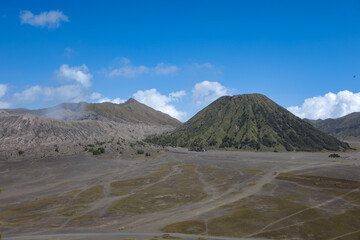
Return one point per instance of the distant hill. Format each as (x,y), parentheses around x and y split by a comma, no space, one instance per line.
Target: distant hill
(249,122)
(131,111)
(344,128)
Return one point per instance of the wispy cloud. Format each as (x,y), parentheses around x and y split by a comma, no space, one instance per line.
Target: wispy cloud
(206,65)
(205,92)
(69,52)
(3,91)
(331,105)
(164,69)
(79,74)
(50,19)
(160,102)
(127,70)
(99,98)
(74,92)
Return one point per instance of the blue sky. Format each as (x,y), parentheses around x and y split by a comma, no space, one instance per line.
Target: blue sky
(177,56)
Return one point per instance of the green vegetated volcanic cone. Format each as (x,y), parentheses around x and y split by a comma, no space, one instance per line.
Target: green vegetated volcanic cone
(249,122)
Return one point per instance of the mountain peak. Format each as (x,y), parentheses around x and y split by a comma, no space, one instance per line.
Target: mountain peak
(250,122)
(131,100)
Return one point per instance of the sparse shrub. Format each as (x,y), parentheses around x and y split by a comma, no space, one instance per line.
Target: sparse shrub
(91,145)
(140,143)
(140,151)
(96,152)
(147,154)
(85,149)
(21,152)
(132,145)
(56,149)
(334,155)
(102,150)
(91,150)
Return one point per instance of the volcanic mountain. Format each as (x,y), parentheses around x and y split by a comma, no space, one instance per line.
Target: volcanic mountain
(129,112)
(70,127)
(344,128)
(249,122)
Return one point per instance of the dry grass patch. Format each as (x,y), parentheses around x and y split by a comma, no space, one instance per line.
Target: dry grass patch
(188,227)
(89,195)
(177,189)
(72,210)
(168,236)
(223,179)
(126,186)
(254,213)
(319,181)
(321,229)
(252,171)
(82,219)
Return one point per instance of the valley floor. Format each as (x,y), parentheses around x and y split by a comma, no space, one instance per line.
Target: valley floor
(183,195)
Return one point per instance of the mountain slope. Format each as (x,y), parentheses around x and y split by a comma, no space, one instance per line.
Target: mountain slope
(37,136)
(345,128)
(250,122)
(131,111)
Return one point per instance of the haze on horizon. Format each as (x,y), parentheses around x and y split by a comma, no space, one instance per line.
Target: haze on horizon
(177,57)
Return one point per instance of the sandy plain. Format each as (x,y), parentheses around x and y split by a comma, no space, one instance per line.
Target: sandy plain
(183,195)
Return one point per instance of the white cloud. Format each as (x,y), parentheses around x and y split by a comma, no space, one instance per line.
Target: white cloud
(70,92)
(101,99)
(129,71)
(115,100)
(3,90)
(154,99)
(51,19)
(73,93)
(125,61)
(206,65)
(79,74)
(95,95)
(177,95)
(69,52)
(164,69)
(206,92)
(331,105)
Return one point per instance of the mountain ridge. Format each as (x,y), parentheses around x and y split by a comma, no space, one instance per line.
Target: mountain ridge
(344,128)
(130,111)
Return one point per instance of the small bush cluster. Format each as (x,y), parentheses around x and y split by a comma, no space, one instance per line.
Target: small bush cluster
(98,151)
(334,155)
(140,151)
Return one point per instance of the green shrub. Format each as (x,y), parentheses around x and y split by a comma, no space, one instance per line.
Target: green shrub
(147,154)
(96,152)
(21,152)
(140,151)
(102,150)
(334,155)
